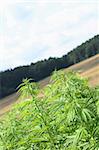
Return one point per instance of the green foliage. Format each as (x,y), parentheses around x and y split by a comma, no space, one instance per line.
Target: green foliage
(66,118)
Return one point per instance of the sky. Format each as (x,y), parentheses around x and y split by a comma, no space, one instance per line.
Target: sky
(31,30)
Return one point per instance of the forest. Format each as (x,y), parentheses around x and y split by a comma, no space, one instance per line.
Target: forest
(12,78)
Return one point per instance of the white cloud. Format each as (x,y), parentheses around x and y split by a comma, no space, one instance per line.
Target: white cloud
(55,27)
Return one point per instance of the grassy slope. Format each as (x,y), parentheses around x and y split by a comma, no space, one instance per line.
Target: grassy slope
(88,68)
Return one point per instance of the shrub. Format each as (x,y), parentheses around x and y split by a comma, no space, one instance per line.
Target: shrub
(65,118)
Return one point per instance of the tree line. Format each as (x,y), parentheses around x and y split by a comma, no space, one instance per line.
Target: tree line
(10,79)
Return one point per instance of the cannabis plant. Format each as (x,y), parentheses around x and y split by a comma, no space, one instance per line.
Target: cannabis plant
(66,117)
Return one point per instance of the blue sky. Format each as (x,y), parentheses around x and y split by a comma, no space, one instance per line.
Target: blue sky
(31,30)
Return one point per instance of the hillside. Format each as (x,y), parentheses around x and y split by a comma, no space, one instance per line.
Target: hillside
(88,68)
(10,79)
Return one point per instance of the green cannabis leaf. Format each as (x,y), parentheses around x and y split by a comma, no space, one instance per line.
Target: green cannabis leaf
(65,118)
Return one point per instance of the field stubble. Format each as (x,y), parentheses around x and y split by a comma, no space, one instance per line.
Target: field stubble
(88,68)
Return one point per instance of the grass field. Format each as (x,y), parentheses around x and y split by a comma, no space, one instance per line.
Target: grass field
(88,68)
